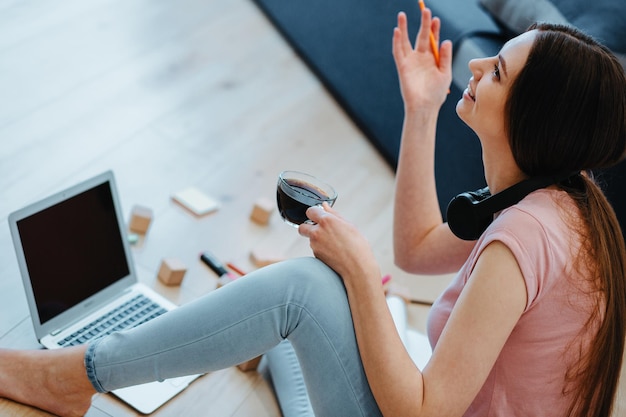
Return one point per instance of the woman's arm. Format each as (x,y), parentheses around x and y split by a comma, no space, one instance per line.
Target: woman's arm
(423,243)
(481,322)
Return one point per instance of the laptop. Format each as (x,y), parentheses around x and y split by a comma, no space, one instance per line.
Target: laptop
(79,277)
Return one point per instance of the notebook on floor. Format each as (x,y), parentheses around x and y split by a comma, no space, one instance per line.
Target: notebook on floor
(79,277)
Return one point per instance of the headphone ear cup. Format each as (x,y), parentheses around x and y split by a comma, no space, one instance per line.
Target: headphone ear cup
(466,218)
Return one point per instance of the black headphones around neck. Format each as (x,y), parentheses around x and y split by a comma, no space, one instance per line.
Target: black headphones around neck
(470,213)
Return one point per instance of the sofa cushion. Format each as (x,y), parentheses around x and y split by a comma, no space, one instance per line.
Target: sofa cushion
(517,16)
(605,20)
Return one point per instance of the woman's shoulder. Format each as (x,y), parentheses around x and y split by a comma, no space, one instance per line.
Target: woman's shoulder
(539,232)
(546,213)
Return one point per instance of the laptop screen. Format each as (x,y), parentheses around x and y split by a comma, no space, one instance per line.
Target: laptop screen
(73,250)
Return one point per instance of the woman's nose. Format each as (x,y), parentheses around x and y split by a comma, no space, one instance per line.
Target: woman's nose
(477,67)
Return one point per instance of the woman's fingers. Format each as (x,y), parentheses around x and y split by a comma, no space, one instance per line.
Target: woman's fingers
(445,55)
(401,44)
(435,27)
(422,43)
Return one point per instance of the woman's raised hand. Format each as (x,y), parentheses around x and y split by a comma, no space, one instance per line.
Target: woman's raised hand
(423,81)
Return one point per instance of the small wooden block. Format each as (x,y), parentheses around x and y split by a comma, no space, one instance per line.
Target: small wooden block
(261,258)
(262,211)
(140,219)
(172,271)
(250,365)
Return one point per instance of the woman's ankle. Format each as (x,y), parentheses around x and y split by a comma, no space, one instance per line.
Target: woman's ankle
(53,380)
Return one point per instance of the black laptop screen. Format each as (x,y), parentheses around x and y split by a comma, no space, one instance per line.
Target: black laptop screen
(73,250)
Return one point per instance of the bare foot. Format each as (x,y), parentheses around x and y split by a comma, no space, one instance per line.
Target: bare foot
(53,380)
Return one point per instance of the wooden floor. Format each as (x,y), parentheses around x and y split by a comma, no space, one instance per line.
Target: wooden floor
(168,95)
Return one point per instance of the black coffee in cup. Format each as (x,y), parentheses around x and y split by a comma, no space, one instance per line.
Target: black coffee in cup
(296,192)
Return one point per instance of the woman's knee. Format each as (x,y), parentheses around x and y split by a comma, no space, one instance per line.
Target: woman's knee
(307,282)
(311,276)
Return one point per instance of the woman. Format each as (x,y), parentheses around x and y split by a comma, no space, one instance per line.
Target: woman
(531,325)
(538,307)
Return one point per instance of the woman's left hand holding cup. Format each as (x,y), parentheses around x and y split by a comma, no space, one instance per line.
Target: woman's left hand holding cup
(339,244)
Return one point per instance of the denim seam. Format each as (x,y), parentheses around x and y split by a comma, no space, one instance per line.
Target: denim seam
(89,361)
(343,369)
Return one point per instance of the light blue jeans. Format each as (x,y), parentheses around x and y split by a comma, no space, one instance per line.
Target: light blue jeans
(301,300)
(281,367)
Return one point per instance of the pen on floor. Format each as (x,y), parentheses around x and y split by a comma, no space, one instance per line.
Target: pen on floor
(386,279)
(235,269)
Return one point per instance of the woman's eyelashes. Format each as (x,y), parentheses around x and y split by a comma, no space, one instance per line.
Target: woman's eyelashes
(496,72)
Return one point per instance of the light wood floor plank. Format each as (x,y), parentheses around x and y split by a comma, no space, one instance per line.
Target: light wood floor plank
(168,95)
(202,93)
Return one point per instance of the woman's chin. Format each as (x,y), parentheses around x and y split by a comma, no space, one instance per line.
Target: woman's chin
(462,110)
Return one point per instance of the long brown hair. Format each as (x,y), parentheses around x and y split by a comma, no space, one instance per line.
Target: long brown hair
(567,113)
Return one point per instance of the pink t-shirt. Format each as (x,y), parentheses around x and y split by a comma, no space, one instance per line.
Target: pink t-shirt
(528,377)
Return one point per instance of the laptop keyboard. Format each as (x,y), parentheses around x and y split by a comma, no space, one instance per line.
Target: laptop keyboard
(134,312)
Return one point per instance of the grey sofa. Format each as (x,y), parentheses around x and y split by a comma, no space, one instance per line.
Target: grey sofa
(347,44)
(480,27)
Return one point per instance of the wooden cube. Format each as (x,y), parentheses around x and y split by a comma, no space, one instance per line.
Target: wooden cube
(140,219)
(262,211)
(250,365)
(172,271)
